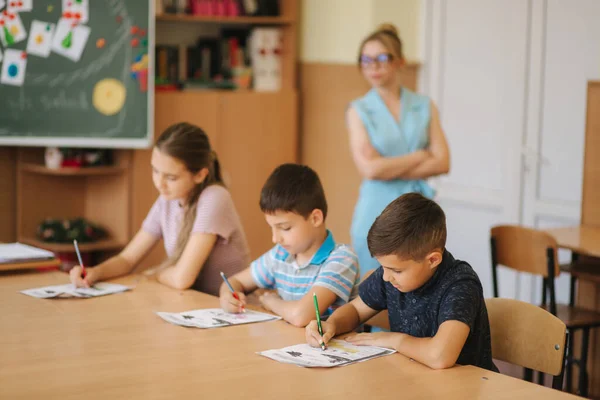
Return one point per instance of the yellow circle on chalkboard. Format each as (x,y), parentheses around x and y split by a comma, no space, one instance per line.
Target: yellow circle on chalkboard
(109,96)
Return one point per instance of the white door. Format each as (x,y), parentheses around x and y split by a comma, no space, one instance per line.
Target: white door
(475,69)
(510,77)
(565,54)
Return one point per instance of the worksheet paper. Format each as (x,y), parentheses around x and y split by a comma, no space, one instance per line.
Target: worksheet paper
(337,353)
(215,318)
(69,290)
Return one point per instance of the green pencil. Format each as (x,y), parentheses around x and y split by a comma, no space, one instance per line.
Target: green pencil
(318,319)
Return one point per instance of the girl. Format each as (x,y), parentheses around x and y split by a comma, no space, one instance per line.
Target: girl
(395,136)
(194,214)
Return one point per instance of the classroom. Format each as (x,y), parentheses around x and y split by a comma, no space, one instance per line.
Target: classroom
(326,199)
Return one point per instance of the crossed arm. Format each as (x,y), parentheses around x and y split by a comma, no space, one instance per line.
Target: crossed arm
(421,164)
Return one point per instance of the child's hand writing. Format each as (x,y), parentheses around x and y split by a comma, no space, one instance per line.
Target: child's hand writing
(230,304)
(313,337)
(78,281)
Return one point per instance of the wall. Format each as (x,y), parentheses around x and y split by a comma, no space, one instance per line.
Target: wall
(331,30)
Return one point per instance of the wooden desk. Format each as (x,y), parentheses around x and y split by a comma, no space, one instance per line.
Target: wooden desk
(116,347)
(584,240)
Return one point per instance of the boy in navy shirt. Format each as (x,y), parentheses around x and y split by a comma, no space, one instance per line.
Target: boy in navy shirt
(436,307)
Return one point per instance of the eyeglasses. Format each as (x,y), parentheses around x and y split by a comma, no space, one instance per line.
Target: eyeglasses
(380,59)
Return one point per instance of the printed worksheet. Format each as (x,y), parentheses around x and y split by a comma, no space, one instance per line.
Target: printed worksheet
(337,353)
(68,290)
(215,318)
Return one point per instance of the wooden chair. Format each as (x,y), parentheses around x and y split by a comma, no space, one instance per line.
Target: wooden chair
(381,319)
(528,336)
(535,252)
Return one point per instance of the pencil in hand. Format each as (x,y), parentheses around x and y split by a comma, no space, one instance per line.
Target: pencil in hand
(235,295)
(83,273)
(318,320)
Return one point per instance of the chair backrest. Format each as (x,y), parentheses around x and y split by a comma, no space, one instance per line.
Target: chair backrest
(381,319)
(524,249)
(526,335)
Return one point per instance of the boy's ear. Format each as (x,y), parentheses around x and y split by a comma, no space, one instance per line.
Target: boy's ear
(316,217)
(200,176)
(434,258)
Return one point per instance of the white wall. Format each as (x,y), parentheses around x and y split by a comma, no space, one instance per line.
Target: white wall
(331,30)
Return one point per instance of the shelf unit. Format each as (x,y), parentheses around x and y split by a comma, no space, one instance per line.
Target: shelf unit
(283,20)
(99,194)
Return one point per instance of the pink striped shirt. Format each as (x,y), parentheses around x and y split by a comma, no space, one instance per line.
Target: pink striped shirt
(216,214)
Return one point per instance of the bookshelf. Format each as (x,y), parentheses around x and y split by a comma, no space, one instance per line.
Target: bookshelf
(99,194)
(224,20)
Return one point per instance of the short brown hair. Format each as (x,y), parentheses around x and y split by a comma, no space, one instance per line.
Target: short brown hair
(293,188)
(410,227)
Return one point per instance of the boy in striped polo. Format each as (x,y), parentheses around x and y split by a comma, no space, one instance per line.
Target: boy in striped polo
(305,259)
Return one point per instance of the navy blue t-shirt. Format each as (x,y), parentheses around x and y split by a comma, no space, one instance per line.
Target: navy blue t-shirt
(454,292)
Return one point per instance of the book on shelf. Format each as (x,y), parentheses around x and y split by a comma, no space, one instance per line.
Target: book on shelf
(219,8)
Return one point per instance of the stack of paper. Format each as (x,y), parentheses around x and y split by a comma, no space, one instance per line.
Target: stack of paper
(69,290)
(18,252)
(214,318)
(337,353)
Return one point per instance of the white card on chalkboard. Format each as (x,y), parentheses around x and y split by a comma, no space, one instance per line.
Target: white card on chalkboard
(40,38)
(17,6)
(13,67)
(76,9)
(11,29)
(69,41)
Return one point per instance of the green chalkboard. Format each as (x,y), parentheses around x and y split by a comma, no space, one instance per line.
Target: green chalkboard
(58,99)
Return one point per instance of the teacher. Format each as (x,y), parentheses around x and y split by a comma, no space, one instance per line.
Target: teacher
(396,138)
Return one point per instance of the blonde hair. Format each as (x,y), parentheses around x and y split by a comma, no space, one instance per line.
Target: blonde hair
(387,35)
(190,145)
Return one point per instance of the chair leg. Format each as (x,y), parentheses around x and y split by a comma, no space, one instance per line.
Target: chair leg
(583,374)
(540,378)
(572,291)
(569,365)
(528,374)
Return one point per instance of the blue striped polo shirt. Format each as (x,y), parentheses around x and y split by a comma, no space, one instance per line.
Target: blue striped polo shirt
(334,266)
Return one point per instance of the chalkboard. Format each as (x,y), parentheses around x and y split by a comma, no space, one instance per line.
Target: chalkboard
(51,97)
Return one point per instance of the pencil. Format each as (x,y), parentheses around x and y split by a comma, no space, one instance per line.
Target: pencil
(83,273)
(231,288)
(318,319)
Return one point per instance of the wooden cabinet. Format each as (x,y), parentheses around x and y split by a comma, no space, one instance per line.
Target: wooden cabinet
(257,133)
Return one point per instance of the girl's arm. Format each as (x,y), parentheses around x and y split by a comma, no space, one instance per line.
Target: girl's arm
(370,164)
(121,264)
(183,274)
(439,162)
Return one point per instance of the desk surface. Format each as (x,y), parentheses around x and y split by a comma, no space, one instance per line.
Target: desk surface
(116,347)
(582,239)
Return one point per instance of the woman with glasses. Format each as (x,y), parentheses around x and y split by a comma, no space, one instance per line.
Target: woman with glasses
(396,138)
